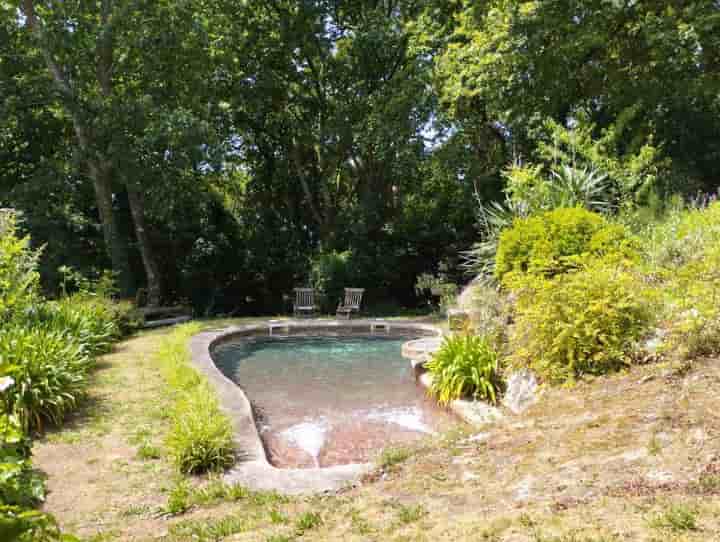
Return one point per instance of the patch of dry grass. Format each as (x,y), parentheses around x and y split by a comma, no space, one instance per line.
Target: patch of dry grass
(578,467)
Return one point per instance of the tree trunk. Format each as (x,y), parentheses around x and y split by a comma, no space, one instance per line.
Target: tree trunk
(137,209)
(115,241)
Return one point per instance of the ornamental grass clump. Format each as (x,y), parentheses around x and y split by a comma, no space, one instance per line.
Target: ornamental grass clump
(465,366)
(200,437)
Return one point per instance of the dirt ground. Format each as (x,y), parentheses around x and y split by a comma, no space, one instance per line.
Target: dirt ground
(634,456)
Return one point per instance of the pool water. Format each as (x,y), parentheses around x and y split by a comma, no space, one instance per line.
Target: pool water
(324,401)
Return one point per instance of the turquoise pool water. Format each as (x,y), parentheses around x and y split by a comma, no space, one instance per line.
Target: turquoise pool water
(330,400)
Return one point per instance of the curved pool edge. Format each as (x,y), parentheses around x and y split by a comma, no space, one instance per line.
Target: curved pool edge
(252,468)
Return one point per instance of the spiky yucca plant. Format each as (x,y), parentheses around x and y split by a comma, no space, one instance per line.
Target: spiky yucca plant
(580,187)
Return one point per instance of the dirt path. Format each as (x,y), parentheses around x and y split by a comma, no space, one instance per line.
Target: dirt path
(631,457)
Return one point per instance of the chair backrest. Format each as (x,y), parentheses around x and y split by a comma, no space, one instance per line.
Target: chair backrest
(304,297)
(353,297)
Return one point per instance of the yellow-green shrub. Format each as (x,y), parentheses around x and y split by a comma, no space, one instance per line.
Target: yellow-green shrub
(694,291)
(578,323)
(558,241)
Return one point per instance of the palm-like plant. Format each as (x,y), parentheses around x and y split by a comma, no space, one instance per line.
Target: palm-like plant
(576,187)
(493,218)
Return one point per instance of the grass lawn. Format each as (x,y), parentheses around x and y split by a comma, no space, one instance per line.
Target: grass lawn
(630,457)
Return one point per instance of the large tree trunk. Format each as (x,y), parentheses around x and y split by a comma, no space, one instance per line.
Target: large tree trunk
(115,242)
(137,209)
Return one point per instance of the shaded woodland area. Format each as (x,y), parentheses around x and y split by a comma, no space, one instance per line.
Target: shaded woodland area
(225,152)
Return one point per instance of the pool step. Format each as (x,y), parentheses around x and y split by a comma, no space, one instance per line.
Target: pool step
(379,325)
(279,324)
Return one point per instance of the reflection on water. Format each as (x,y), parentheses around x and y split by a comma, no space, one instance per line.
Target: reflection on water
(330,400)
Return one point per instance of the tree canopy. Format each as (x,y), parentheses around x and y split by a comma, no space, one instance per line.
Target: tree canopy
(213,151)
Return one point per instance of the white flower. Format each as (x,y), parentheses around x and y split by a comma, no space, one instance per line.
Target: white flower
(6,382)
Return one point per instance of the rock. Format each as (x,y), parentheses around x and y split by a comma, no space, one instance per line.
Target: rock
(654,341)
(660,477)
(477,413)
(479,437)
(523,490)
(521,391)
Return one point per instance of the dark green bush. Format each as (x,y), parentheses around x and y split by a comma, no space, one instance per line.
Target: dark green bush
(331,272)
(465,366)
(558,241)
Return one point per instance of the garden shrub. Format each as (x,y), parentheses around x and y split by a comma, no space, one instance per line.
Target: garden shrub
(49,369)
(200,437)
(694,291)
(19,484)
(682,255)
(330,273)
(433,287)
(465,366)
(20,524)
(683,236)
(19,279)
(489,310)
(88,320)
(584,322)
(558,241)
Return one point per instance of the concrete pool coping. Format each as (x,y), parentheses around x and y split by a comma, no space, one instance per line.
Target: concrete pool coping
(252,468)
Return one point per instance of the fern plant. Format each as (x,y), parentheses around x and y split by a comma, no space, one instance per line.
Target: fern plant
(465,366)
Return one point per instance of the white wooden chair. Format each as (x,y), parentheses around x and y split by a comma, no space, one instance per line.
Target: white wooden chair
(304,301)
(351,303)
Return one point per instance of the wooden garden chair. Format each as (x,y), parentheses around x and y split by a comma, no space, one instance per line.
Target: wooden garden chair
(304,302)
(351,303)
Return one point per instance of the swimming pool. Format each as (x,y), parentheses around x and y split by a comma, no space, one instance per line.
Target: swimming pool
(330,399)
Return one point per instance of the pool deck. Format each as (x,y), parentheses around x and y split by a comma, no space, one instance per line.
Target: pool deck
(252,468)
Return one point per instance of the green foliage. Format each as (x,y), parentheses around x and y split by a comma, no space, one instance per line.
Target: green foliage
(200,437)
(465,366)
(682,253)
(392,457)
(49,369)
(560,240)
(179,498)
(411,514)
(574,187)
(583,322)
(19,524)
(677,518)
(489,310)
(209,530)
(19,484)
(436,286)
(307,521)
(19,279)
(330,273)
(89,320)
